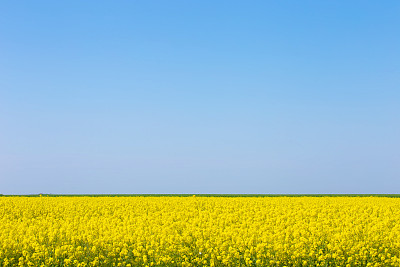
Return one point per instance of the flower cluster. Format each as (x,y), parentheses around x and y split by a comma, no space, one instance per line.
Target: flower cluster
(199,231)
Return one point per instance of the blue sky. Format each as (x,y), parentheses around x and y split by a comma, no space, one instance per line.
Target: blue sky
(199,97)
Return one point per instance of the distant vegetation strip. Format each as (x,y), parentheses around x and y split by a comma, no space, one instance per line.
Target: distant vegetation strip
(204,195)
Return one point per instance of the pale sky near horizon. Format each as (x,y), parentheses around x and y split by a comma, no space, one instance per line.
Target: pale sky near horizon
(199,97)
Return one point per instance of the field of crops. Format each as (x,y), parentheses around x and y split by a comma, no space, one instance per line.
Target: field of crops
(199,231)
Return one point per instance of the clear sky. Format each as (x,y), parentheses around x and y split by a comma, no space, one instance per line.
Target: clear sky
(199,97)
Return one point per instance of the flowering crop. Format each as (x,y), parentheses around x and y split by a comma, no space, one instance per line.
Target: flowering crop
(199,231)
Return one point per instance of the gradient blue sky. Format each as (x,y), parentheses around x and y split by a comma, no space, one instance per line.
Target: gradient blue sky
(199,97)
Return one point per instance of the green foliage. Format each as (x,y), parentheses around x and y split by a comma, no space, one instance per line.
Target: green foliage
(205,195)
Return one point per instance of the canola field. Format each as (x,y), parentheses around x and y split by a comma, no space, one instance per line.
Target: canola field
(199,231)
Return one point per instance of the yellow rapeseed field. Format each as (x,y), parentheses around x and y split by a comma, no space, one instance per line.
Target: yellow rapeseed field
(199,231)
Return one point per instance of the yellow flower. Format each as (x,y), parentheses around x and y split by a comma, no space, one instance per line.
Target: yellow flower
(205,231)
